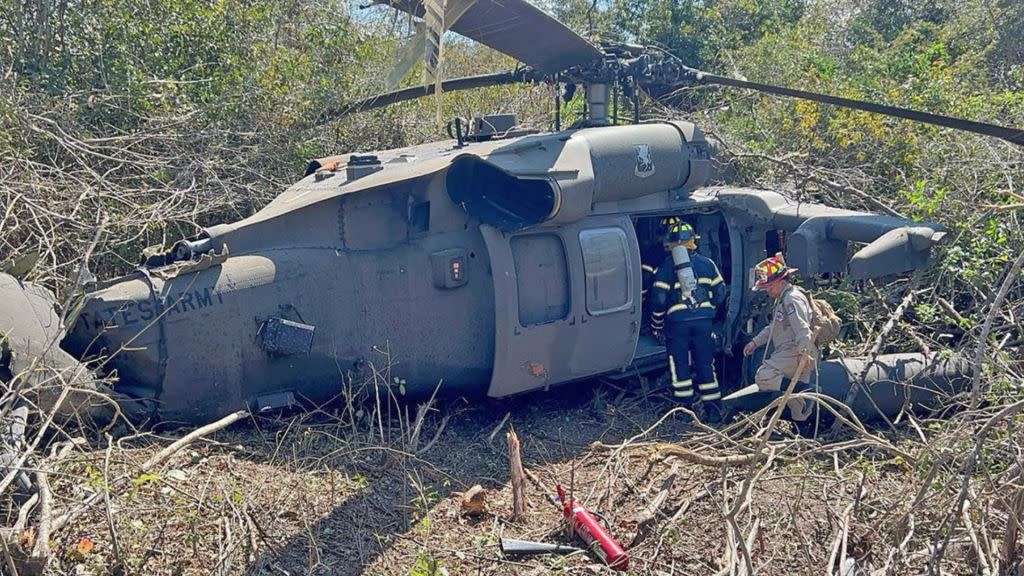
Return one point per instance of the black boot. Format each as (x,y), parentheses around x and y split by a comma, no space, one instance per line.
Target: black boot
(684,417)
(714,413)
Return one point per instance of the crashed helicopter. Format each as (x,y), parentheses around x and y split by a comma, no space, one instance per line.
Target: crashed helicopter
(498,262)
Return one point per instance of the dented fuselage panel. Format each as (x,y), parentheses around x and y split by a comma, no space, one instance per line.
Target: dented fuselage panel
(32,362)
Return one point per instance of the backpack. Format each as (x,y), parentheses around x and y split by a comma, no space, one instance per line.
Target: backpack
(824,321)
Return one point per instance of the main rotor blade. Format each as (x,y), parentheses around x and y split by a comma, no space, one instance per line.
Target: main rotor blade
(453,85)
(519,29)
(1013,135)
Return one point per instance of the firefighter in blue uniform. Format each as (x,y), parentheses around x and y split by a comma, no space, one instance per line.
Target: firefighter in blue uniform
(687,322)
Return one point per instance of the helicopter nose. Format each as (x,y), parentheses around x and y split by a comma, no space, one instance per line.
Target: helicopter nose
(120,322)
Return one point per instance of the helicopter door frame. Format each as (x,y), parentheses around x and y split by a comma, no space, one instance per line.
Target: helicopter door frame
(550,340)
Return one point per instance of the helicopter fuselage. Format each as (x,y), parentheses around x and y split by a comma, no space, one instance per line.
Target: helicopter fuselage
(497,267)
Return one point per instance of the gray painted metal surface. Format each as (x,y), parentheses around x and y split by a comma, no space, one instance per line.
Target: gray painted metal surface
(496,267)
(31,360)
(503,25)
(891,384)
(599,328)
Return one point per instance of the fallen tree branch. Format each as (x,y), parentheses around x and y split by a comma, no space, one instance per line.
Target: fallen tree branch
(951,311)
(979,354)
(876,349)
(111,526)
(192,436)
(646,517)
(8,559)
(665,450)
(437,434)
(951,520)
(807,171)
(517,476)
(41,549)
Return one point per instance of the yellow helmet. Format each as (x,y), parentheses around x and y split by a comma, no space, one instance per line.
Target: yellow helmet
(681,232)
(666,223)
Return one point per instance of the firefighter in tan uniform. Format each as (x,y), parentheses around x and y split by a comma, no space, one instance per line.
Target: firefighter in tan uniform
(789,332)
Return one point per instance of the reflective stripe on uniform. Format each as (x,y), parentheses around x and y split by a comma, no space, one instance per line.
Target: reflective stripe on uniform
(657,314)
(684,393)
(706,305)
(647,268)
(709,397)
(708,386)
(662,285)
(678,385)
(678,308)
(710,281)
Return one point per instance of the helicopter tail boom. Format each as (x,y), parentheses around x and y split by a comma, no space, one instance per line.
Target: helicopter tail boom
(819,236)
(886,386)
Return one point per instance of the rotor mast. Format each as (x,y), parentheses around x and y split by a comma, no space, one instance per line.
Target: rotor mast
(597,103)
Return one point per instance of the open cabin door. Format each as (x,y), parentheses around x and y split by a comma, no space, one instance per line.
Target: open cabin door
(567,302)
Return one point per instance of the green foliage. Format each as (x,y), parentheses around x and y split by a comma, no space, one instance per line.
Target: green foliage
(145,478)
(887,19)
(426,565)
(114,66)
(704,33)
(95,479)
(923,203)
(842,301)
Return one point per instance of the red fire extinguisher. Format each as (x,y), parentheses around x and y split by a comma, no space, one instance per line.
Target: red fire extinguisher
(586,526)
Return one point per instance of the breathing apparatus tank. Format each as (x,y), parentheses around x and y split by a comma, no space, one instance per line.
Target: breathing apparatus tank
(679,234)
(684,270)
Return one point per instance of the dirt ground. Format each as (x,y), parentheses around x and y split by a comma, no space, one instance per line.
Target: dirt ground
(358,491)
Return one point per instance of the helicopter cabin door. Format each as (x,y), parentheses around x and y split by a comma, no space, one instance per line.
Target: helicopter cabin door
(567,302)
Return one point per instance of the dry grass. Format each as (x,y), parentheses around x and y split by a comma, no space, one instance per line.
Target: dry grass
(319,494)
